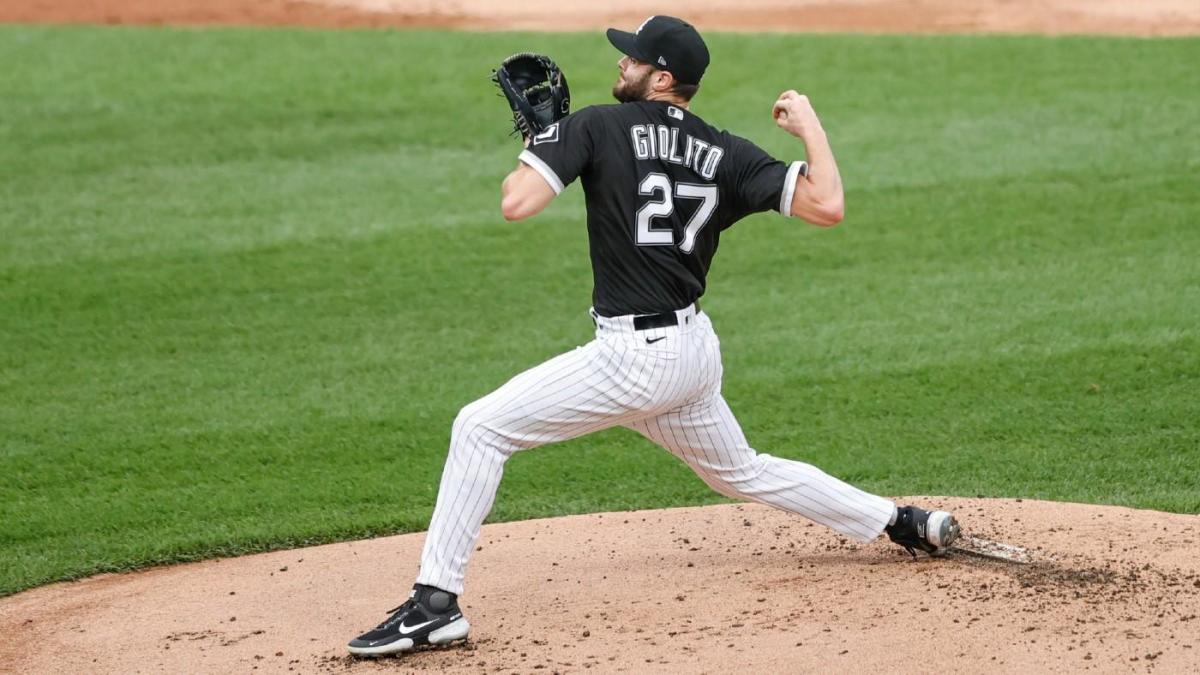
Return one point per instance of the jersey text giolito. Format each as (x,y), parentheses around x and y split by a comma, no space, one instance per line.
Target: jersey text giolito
(656,141)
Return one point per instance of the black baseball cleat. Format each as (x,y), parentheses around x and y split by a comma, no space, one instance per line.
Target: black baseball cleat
(429,617)
(929,531)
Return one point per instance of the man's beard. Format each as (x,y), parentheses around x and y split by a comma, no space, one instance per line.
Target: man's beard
(632,90)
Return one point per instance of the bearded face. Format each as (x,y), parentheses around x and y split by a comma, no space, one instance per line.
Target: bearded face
(633,84)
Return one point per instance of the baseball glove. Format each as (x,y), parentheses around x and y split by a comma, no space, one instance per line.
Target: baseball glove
(536,91)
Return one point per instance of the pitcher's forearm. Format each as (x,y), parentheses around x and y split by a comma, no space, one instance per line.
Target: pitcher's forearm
(818,198)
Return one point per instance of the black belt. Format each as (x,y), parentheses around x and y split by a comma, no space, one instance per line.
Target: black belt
(648,321)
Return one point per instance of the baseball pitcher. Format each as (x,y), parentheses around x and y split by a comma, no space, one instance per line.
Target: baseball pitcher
(660,185)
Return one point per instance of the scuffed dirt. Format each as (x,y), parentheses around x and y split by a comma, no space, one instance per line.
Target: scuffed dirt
(1118,17)
(712,589)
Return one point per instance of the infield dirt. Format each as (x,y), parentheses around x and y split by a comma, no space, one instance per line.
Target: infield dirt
(730,588)
(713,589)
(1118,17)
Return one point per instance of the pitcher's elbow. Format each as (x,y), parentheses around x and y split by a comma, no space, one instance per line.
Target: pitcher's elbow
(829,215)
(511,209)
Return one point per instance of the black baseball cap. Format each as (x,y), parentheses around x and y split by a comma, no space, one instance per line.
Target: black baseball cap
(668,44)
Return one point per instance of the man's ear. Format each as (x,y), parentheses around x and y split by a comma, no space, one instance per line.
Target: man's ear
(663,80)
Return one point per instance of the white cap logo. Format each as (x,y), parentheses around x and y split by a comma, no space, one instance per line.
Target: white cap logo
(662,62)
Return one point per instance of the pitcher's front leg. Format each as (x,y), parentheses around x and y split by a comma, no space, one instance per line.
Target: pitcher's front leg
(565,397)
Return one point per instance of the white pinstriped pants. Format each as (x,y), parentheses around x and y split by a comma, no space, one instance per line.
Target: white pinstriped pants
(664,383)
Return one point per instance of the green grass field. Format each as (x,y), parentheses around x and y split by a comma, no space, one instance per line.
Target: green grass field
(247,278)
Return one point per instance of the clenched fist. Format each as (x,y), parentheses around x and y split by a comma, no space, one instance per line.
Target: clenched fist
(795,115)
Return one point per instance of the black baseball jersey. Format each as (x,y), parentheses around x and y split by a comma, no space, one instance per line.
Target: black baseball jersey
(661,184)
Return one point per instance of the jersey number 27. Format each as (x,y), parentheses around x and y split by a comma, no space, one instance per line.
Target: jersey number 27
(662,205)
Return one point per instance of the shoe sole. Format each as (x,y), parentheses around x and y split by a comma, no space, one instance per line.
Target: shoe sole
(942,530)
(455,630)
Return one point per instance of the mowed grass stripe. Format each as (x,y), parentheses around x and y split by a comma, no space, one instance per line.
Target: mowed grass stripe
(247,278)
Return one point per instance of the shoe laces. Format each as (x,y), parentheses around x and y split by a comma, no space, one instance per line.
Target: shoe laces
(397,613)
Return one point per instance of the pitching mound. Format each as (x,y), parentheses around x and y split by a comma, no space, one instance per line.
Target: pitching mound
(713,589)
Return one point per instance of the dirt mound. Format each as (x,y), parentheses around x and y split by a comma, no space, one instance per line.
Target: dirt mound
(712,589)
(1147,17)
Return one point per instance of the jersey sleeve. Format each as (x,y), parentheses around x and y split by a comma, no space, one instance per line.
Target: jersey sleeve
(761,182)
(563,151)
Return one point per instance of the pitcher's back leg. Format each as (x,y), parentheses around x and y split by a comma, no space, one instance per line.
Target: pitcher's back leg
(708,438)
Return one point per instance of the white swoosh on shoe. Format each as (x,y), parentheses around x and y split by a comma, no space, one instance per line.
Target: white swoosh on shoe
(409,630)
